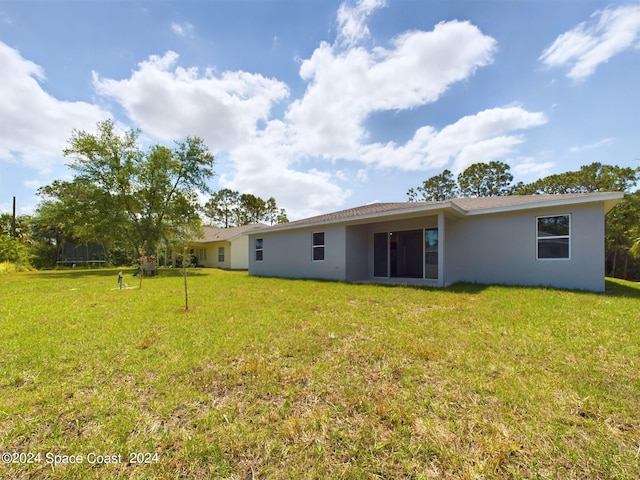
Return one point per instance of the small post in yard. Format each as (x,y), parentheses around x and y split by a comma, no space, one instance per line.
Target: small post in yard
(120,280)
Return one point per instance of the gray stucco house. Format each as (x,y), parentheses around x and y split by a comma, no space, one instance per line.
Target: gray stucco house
(550,240)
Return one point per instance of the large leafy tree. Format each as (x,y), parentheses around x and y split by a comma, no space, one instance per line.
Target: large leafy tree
(485,180)
(121,192)
(477,180)
(437,188)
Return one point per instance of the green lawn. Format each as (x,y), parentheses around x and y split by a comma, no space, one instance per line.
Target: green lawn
(279,379)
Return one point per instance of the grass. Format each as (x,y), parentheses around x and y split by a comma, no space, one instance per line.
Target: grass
(278,379)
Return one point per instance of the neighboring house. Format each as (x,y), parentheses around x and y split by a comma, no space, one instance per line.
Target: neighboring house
(226,248)
(551,240)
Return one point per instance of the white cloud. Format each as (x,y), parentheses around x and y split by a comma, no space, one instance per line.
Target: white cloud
(352,27)
(346,83)
(608,33)
(531,168)
(35,125)
(345,86)
(263,167)
(591,146)
(483,137)
(169,102)
(182,29)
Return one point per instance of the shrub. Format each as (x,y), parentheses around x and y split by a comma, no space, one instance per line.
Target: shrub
(14,251)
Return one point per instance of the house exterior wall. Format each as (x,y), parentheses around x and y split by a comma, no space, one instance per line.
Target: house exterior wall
(289,254)
(501,248)
(357,253)
(237,253)
(495,248)
(211,260)
(348,250)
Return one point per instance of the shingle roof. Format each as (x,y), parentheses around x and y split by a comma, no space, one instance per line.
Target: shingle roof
(462,207)
(490,203)
(215,234)
(362,211)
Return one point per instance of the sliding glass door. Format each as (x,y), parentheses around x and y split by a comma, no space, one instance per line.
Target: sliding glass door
(431,253)
(381,255)
(406,254)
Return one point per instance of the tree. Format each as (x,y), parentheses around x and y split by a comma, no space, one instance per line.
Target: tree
(20,229)
(485,180)
(478,180)
(229,208)
(595,177)
(252,209)
(623,232)
(150,196)
(435,189)
(221,207)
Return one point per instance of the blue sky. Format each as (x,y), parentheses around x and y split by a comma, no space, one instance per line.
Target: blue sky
(323,104)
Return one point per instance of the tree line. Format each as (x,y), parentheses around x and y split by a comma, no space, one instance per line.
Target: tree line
(495,179)
(229,208)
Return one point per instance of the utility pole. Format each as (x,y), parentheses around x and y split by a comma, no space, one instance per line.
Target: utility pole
(13,219)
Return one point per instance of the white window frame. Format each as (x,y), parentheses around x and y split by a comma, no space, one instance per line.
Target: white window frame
(319,246)
(220,254)
(568,237)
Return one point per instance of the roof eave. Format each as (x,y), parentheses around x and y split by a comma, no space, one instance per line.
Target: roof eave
(435,208)
(609,199)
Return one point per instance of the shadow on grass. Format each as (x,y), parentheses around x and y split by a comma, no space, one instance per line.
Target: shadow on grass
(613,287)
(110,272)
(621,288)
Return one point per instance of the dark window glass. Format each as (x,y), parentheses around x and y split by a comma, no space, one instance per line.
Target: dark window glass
(259,249)
(381,255)
(318,239)
(318,246)
(553,236)
(431,253)
(553,226)
(553,248)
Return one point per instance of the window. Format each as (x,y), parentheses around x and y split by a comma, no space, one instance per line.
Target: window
(553,235)
(318,247)
(259,249)
(220,254)
(431,253)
